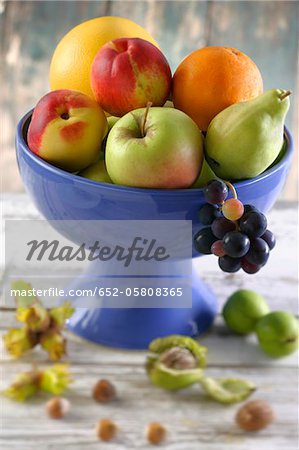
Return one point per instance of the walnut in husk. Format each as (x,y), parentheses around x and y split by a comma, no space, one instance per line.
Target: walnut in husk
(175,362)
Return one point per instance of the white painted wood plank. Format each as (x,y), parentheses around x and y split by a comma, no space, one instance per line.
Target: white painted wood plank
(194,422)
(224,350)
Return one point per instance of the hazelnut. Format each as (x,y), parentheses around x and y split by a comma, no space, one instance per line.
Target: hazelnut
(255,415)
(104,391)
(57,407)
(106,430)
(156,433)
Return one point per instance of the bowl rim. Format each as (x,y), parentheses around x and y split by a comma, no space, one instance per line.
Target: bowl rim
(113,187)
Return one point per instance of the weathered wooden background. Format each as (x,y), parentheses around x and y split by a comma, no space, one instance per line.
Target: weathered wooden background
(265,30)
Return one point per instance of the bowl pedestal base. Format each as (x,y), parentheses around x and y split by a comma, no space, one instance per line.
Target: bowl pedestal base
(135,328)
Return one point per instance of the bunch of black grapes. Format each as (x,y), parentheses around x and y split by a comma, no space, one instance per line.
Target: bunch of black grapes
(234,232)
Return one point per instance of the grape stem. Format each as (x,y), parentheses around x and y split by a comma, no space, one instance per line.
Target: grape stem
(231,187)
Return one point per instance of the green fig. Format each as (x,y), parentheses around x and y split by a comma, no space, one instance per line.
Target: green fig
(244,139)
(278,333)
(205,175)
(97,172)
(243,309)
(227,390)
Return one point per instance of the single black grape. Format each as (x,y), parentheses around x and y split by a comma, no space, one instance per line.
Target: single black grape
(208,213)
(236,244)
(249,208)
(221,226)
(203,240)
(215,192)
(259,252)
(253,223)
(248,267)
(269,237)
(228,264)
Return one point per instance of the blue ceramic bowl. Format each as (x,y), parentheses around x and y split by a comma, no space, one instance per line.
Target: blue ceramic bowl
(60,195)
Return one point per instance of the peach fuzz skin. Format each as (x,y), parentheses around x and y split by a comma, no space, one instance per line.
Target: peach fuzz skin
(67,129)
(127,73)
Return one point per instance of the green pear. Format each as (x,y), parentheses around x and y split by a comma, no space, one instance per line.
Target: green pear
(205,175)
(244,139)
(97,172)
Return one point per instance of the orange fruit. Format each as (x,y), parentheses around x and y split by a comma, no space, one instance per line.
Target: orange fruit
(213,78)
(73,56)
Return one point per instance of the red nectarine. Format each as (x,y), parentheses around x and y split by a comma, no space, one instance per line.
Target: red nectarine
(126,74)
(67,129)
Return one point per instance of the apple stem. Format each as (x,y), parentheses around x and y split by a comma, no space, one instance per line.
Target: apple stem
(231,187)
(284,95)
(149,104)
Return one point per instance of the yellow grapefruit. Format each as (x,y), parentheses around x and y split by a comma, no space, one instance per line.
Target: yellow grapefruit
(73,56)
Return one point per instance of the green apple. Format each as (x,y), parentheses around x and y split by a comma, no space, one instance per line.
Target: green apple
(97,172)
(243,309)
(155,147)
(205,175)
(278,333)
(111,122)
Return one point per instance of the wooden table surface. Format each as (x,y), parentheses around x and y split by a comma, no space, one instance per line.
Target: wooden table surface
(194,422)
